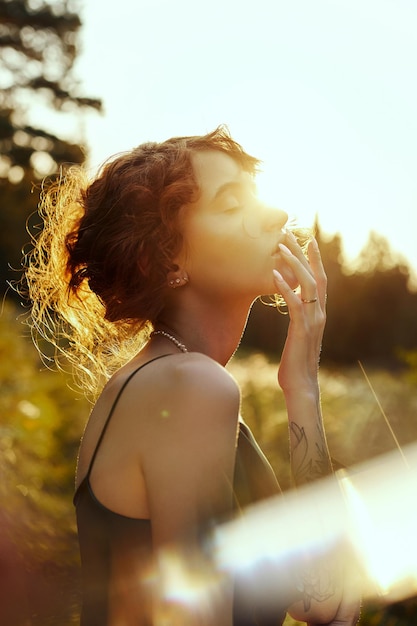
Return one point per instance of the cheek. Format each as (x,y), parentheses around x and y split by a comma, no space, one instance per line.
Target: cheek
(221,251)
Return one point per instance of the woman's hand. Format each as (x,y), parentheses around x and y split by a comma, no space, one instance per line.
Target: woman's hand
(298,371)
(307,310)
(347,614)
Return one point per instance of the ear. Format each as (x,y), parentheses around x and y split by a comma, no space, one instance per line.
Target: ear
(177,278)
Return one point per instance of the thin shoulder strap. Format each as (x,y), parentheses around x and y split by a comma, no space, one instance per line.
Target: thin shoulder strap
(119,393)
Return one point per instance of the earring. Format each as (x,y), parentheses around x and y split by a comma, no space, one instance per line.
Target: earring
(176,282)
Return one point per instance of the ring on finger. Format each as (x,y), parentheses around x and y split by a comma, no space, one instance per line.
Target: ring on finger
(306,301)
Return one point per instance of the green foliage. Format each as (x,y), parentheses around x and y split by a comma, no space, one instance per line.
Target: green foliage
(40,426)
(409,357)
(38,47)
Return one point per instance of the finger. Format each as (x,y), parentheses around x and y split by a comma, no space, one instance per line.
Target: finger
(293,301)
(304,274)
(317,267)
(296,249)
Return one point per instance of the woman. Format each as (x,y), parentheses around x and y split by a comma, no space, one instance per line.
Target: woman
(150,271)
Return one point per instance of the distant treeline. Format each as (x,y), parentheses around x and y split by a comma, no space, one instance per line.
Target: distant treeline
(372,311)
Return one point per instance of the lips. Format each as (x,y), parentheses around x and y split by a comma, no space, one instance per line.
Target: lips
(282,239)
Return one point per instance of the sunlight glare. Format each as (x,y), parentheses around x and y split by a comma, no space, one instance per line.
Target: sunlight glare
(303,215)
(185,586)
(366,518)
(383,514)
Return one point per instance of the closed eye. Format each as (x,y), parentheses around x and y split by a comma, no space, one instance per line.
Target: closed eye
(235,196)
(232,209)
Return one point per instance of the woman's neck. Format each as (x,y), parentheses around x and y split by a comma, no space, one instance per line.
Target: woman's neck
(207,329)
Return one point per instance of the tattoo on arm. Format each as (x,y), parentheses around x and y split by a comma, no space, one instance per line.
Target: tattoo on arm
(315,583)
(308,464)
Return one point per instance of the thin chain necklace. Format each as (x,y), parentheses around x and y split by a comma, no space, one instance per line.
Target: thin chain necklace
(174,340)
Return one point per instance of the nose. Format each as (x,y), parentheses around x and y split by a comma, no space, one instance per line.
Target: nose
(264,218)
(274,219)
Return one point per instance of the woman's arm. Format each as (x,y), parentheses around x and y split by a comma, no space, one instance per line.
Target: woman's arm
(321,580)
(298,372)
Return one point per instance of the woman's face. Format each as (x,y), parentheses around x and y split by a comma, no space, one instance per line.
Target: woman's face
(231,237)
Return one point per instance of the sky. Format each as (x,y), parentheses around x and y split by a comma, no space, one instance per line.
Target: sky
(323,91)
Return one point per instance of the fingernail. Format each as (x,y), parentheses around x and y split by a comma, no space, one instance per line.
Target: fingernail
(278,276)
(284,249)
(291,235)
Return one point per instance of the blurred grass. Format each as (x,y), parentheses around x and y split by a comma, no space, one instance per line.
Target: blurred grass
(355,428)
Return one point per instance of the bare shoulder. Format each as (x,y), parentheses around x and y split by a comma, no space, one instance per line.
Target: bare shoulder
(203,374)
(187,386)
(193,373)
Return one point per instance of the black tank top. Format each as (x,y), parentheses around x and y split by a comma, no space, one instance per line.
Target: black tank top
(116,550)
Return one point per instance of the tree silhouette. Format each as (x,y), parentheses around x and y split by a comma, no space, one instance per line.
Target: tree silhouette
(371,311)
(38,47)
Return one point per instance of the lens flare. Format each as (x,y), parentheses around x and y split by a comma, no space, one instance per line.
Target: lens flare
(367,517)
(383,518)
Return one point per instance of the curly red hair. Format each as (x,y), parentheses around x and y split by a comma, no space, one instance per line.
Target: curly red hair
(131,228)
(98,272)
